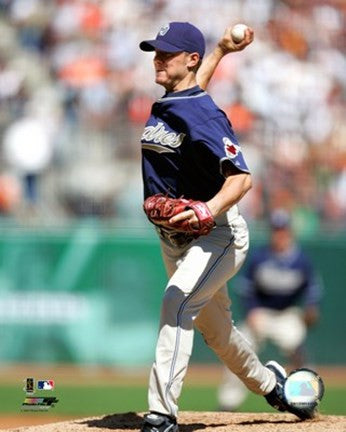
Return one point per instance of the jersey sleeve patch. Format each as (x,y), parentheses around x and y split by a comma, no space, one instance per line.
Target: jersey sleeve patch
(232,154)
(218,136)
(231,149)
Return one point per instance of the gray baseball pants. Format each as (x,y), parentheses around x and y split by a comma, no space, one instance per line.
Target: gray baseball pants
(196,296)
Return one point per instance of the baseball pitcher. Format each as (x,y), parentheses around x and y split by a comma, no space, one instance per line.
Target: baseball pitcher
(194,175)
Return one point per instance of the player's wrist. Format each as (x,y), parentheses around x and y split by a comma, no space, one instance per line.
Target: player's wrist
(221,49)
(213,207)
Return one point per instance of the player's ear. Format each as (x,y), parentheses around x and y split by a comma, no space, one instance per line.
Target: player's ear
(193,60)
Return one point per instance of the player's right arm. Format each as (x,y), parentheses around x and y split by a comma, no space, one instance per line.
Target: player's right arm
(224,46)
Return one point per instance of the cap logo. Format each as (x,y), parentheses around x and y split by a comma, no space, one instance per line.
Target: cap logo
(164,29)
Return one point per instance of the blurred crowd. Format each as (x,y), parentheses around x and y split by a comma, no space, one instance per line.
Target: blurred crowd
(75,92)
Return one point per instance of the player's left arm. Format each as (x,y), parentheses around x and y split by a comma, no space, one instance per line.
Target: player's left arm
(313,294)
(224,46)
(311,315)
(236,185)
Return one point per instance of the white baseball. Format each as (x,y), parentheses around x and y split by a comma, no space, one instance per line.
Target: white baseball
(238,32)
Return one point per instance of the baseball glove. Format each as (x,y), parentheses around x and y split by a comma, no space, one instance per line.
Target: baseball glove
(160,209)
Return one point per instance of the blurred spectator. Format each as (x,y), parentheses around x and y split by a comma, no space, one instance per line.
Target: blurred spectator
(281,294)
(286,95)
(28,151)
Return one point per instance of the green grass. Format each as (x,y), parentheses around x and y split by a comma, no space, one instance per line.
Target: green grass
(98,400)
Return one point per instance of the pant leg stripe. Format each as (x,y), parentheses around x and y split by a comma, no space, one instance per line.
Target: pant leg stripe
(181,309)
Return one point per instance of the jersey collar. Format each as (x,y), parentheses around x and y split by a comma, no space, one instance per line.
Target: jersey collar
(188,92)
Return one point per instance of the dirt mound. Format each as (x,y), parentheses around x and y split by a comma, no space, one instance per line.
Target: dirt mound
(194,421)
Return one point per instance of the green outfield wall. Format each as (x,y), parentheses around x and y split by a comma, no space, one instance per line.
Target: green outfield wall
(91,294)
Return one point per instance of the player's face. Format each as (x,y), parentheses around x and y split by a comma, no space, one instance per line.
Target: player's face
(281,239)
(171,68)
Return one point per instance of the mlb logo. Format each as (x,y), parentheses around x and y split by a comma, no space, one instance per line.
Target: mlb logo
(45,385)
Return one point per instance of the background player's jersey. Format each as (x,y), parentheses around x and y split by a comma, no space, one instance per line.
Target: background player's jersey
(277,281)
(185,145)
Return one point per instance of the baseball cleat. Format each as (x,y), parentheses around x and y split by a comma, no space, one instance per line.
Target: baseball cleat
(154,422)
(277,398)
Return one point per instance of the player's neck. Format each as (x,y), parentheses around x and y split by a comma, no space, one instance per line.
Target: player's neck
(188,82)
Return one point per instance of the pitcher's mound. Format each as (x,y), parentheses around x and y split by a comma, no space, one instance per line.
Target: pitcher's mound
(200,421)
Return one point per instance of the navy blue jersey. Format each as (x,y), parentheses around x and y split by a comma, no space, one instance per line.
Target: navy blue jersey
(278,281)
(186,144)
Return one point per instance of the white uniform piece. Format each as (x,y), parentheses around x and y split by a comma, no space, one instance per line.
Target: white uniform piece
(196,296)
(284,328)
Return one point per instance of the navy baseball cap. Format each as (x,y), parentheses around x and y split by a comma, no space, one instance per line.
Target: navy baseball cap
(280,219)
(176,37)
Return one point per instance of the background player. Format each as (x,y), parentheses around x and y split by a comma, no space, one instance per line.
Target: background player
(189,148)
(280,294)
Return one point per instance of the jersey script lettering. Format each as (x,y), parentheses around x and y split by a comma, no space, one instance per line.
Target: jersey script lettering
(160,135)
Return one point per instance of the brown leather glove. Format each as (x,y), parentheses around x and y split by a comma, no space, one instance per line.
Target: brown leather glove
(161,208)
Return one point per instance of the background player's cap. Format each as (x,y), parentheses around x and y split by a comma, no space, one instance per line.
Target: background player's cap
(176,37)
(280,219)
